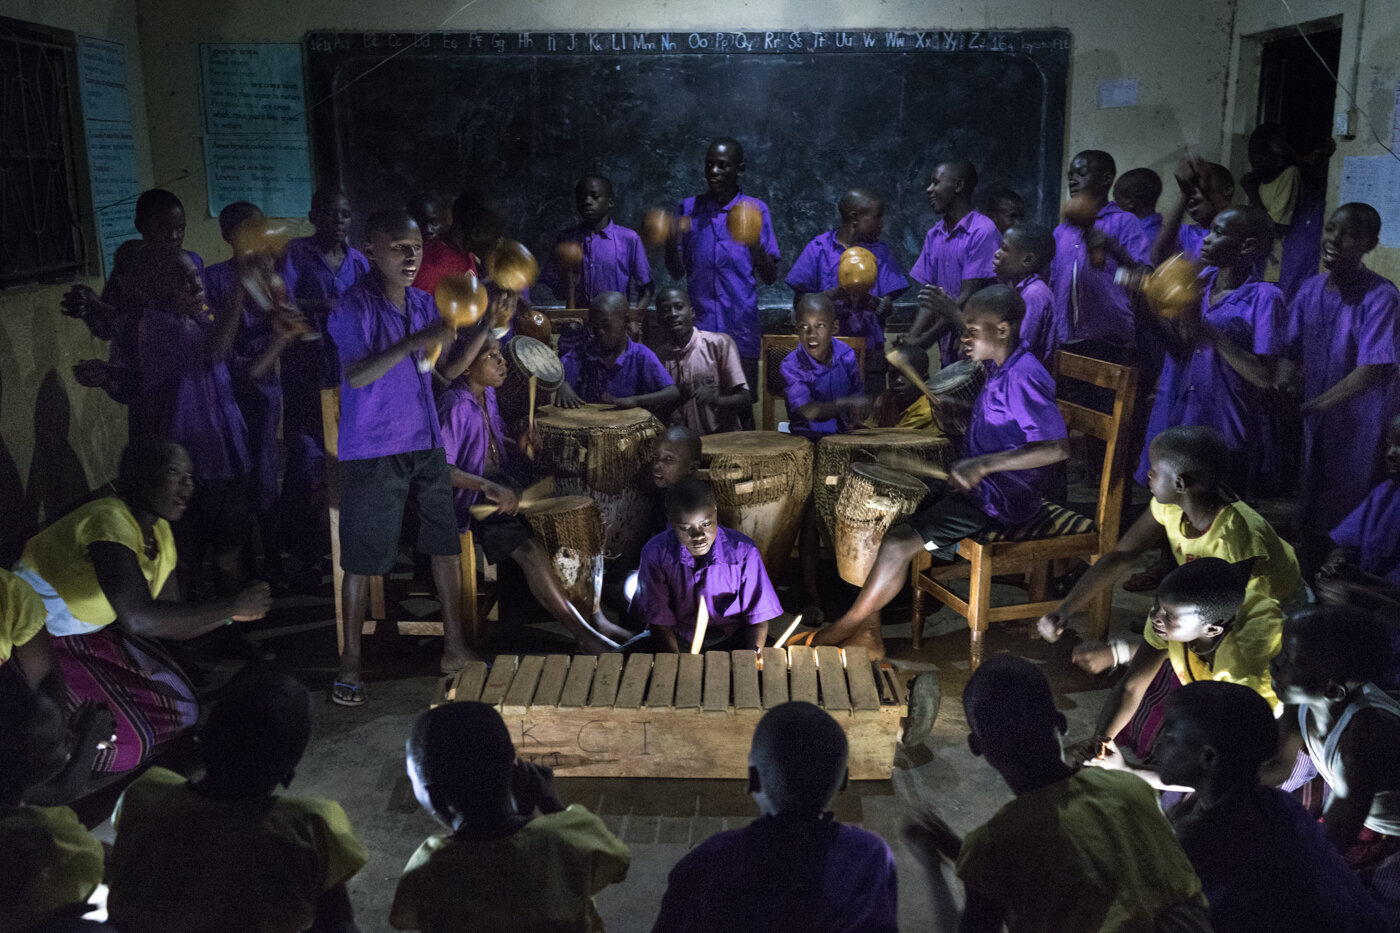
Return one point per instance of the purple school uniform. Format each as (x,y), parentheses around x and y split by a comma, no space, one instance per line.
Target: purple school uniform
(613,257)
(733,582)
(1150,225)
(636,372)
(308,279)
(1203,389)
(1038,328)
(468,430)
(188,397)
(949,257)
(1373,528)
(815,271)
(395,414)
(260,399)
(1088,305)
(805,380)
(1189,239)
(719,271)
(1015,407)
(1332,335)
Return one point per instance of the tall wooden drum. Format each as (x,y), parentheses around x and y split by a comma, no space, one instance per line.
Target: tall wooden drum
(570,529)
(761,481)
(957,386)
(873,500)
(599,451)
(837,452)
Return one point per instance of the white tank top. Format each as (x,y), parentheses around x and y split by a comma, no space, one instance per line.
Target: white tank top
(1385,808)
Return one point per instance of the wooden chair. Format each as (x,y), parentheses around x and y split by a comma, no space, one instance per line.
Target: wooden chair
(777,346)
(1055,533)
(471,612)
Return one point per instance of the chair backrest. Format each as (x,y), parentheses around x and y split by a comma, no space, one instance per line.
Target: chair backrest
(775,348)
(1111,427)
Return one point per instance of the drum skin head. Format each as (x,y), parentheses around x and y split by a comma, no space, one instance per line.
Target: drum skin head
(535,358)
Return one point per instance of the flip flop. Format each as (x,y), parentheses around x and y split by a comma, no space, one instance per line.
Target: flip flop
(345,694)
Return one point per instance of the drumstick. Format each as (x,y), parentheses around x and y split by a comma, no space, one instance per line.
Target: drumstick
(907,370)
(912,464)
(702,622)
(542,493)
(790,629)
(530,444)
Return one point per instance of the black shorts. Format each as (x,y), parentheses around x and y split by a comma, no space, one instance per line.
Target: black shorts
(500,535)
(374,494)
(952,517)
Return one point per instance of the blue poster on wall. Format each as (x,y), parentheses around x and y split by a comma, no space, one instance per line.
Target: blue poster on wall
(111,142)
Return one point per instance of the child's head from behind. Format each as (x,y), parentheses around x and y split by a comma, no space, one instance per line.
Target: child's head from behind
(1391,445)
(459,760)
(1186,463)
(1011,715)
(330,214)
(952,184)
(607,321)
(1238,236)
(1137,191)
(256,734)
(1006,208)
(1091,171)
(693,514)
(992,322)
(816,325)
(797,761)
(1326,651)
(34,739)
(593,196)
(1201,209)
(677,454)
(160,217)
(394,246)
(234,214)
(489,368)
(1217,732)
(1026,248)
(1199,600)
(1350,233)
(674,313)
(427,213)
(905,392)
(864,213)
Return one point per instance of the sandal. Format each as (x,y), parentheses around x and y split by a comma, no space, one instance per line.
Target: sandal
(346,694)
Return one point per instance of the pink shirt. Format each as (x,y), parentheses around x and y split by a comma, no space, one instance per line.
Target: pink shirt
(709,359)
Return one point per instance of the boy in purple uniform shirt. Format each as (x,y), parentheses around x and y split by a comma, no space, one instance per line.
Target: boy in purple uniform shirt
(1137,191)
(391,455)
(822,382)
(1217,369)
(1368,540)
(719,271)
(696,559)
(1005,208)
(1344,328)
(1089,306)
(705,366)
(1206,190)
(863,315)
(614,259)
(957,254)
(795,867)
(611,368)
(1021,261)
(1016,432)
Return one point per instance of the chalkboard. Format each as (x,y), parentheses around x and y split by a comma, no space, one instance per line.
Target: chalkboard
(522,115)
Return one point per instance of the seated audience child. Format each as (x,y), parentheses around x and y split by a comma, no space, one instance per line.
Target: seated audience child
(49,863)
(795,867)
(822,381)
(676,454)
(1220,363)
(697,560)
(462,247)
(1022,261)
(391,456)
(1005,208)
(1137,191)
(480,460)
(710,380)
(1367,542)
(226,852)
(1082,850)
(99,570)
(500,866)
(1344,328)
(860,314)
(613,369)
(956,258)
(903,404)
(1263,860)
(610,257)
(1330,661)
(426,211)
(1089,305)
(1206,190)
(1016,431)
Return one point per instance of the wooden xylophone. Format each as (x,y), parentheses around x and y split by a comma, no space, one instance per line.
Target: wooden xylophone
(680,715)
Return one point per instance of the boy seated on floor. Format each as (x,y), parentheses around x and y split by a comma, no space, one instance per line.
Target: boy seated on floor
(501,866)
(795,867)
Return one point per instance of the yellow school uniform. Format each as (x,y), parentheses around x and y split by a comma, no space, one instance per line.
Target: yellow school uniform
(21,614)
(1237,533)
(48,861)
(918,415)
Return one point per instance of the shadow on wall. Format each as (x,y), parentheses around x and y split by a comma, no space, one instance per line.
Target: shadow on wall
(57,480)
(17,519)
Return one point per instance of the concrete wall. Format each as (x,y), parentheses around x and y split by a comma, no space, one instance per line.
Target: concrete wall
(58,439)
(1178,51)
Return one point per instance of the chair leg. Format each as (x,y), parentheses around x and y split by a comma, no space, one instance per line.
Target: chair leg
(1099,611)
(979,604)
(1039,582)
(919,610)
(471,610)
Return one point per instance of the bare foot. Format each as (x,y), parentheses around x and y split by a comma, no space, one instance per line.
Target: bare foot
(452,662)
(869,638)
(1094,657)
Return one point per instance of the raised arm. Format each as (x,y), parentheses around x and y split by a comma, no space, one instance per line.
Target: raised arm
(1104,572)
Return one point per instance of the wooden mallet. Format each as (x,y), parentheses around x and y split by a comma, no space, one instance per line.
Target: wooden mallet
(702,622)
(908,372)
(790,629)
